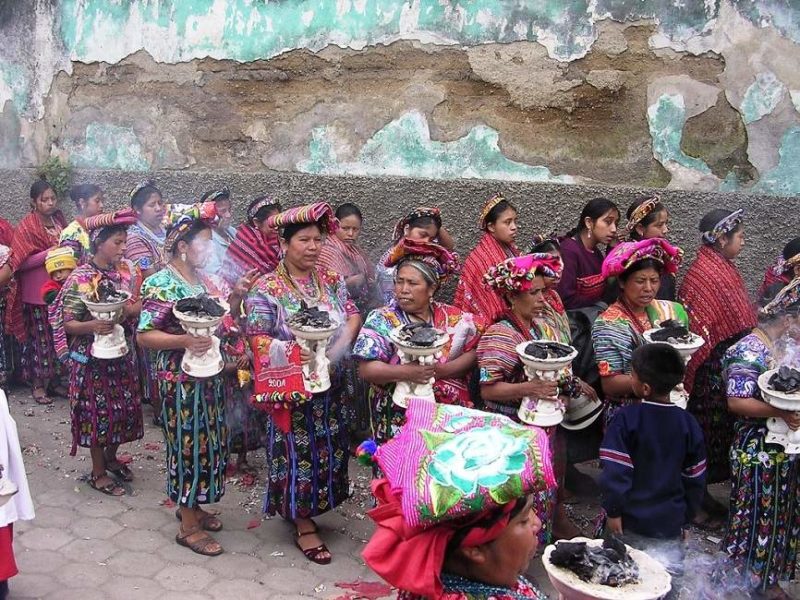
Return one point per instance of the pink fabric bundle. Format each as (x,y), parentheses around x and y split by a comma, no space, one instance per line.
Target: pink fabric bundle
(318,212)
(516,274)
(625,254)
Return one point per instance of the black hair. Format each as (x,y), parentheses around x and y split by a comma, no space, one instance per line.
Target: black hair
(769,295)
(288,232)
(83,191)
(348,209)
(106,233)
(223,195)
(791,249)
(498,210)
(641,265)
(39,187)
(658,365)
(424,221)
(594,209)
(143,194)
(491,519)
(713,217)
(649,219)
(544,247)
(263,212)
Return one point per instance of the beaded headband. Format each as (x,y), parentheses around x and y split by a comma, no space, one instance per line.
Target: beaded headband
(487,208)
(140,186)
(253,210)
(725,226)
(641,212)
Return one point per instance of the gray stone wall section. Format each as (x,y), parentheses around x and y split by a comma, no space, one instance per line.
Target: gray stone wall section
(770,221)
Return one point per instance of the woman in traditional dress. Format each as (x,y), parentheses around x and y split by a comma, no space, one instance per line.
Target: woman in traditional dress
(478,543)
(521,282)
(8,344)
(648,218)
(146,236)
(721,312)
(423,224)
(193,413)
(27,317)
(255,245)
(223,232)
(498,221)
(308,437)
(785,268)
(88,199)
(105,400)
(582,283)
(764,524)
(617,332)
(420,268)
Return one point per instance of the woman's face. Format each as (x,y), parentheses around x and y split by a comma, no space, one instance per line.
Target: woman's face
(641,287)
(45,204)
(731,244)
(604,229)
(422,234)
(659,228)
(112,250)
(412,291)
(508,557)
(199,250)
(349,229)
(302,251)
(224,213)
(152,211)
(528,305)
(271,233)
(505,228)
(92,206)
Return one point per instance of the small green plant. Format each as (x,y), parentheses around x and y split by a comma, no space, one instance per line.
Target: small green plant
(58,173)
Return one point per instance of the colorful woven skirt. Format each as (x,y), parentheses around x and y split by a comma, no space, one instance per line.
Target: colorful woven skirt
(39,359)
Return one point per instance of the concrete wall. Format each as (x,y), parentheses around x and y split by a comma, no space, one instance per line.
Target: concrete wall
(543,207)
(686,95)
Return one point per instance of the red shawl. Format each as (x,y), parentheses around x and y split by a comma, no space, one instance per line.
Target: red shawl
(250,249)
(6,233)
(29,238)
(345,259)
(473,294)
(714,295)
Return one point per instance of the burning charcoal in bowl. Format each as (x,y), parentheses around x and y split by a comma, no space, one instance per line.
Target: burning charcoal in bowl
(547,350)
(106,292)
(609,565)
(674,334)
(311,317)
(786,380)
(200,306)
(419,334)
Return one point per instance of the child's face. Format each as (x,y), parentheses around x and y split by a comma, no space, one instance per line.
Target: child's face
(640,390)
(61,275)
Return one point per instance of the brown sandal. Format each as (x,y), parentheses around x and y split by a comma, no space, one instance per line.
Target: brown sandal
(313,554)
(198,541)
(41,398)
(109,489)
(207,521)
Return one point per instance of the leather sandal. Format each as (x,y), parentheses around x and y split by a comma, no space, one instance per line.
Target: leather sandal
(109,489)
(41,398)
(313,554)
(207,521)
(198,541)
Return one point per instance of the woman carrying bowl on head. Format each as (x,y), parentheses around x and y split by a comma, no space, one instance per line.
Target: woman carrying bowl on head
(105,400)
(308,441)
(256,244)
(193,414)
(420,268)
(648,218)
(520,281)
(498,221)
(423,224)
(764,522)
(722,313)
(617,332)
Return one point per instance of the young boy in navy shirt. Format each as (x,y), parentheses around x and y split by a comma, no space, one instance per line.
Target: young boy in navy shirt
(654,461)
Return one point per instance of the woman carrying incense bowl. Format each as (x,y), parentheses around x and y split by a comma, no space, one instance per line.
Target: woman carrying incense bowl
(308,437)
(420,268)
(105,399)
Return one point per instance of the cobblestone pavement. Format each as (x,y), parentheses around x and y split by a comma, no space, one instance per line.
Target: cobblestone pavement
(84,545)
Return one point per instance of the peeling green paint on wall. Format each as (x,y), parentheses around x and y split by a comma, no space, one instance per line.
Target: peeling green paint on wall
(404,147)
(666,118)
(108,147)
(13,86)
(783,15)
(784,180)
(762,97)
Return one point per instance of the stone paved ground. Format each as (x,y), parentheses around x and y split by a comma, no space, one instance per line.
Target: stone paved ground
(84,545)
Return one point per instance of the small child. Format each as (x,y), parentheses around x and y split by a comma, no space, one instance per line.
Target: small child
(654,461)
(60,262)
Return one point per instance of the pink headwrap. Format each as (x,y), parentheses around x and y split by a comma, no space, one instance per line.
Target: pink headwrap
(516,274)
(626,254)
(318,212)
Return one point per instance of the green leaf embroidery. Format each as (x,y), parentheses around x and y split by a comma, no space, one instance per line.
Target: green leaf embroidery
(433,439)
(443,498)
(507,492)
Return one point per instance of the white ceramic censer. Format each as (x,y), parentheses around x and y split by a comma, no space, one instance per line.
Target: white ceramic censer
(679,395)
(108,345)
(778,430)
(424,355)
(543,412)
(209,363)
(316,373)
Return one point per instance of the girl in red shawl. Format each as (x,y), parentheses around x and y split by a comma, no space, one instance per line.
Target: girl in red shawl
(720,311)
(256,244)
(27,316)
(783,270)
(498,221)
